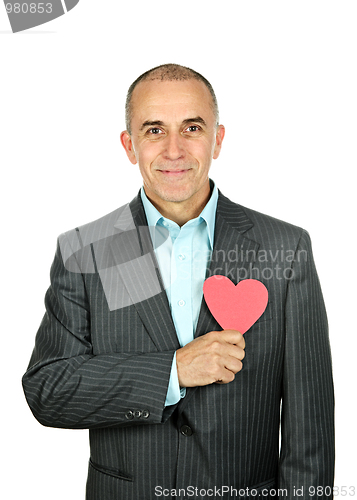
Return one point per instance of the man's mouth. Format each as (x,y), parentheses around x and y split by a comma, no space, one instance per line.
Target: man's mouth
(174,172)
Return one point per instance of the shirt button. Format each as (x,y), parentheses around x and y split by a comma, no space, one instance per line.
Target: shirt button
(181,302)
(182,257)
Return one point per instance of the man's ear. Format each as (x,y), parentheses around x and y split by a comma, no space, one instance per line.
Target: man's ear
(127,143)
(219,139)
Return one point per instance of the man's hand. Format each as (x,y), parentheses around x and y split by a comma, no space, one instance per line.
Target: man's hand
(213,357)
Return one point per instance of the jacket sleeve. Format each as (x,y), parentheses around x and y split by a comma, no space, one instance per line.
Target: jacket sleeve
(307,445)
(67,386)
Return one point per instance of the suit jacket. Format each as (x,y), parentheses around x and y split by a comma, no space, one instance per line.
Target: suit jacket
(103,355)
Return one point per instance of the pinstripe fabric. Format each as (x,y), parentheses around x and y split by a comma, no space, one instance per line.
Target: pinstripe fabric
(104,364)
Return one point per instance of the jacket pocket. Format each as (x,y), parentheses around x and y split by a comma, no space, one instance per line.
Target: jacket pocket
(118,474)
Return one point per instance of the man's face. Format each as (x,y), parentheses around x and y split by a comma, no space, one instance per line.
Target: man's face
(173,138)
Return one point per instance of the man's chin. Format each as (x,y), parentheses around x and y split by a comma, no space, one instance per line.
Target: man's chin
(175,192)
(175,197)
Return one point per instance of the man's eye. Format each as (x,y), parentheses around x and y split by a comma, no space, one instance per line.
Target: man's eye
(193,128)
(154,131)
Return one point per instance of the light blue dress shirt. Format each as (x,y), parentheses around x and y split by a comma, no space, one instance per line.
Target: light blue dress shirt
(183,260)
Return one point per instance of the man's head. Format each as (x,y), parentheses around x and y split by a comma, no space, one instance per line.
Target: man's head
(173,136)
(167,72)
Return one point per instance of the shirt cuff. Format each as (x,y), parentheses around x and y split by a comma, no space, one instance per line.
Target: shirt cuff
(174,392)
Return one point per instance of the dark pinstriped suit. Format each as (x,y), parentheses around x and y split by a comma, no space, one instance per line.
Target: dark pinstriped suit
(103,356)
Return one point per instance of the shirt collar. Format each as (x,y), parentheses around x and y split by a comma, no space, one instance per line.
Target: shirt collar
(208,214)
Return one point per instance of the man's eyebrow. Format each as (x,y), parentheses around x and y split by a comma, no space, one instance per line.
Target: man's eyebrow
(156,123)
(197,119)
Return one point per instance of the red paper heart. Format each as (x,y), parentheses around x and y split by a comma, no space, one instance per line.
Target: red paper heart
(235,307)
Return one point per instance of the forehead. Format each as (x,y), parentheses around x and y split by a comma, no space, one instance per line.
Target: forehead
(156,99)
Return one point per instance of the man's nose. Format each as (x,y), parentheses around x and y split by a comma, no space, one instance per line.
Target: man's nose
(174,147)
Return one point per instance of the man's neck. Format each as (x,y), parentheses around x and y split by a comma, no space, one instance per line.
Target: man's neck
(183,211)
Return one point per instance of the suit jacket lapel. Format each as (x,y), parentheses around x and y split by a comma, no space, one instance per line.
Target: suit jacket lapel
(141,276)
(232,256)
(232,253)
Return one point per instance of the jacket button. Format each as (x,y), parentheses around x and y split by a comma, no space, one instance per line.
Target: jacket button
(146,413)
(138,413)
(129,415)
(186,430)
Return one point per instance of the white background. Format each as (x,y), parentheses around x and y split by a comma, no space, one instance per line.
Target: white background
(285,76)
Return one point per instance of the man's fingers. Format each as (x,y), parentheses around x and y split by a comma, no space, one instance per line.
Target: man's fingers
(234,351)
(215,356)
(227,343)
(232,337)
(234,364)
(232,367)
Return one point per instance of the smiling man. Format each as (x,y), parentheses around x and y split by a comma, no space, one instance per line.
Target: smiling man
(174,136)
(128,348)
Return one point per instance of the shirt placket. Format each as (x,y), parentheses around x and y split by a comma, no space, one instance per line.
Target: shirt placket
(181,285)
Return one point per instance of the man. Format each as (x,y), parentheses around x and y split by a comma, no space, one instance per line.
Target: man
(129,349)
